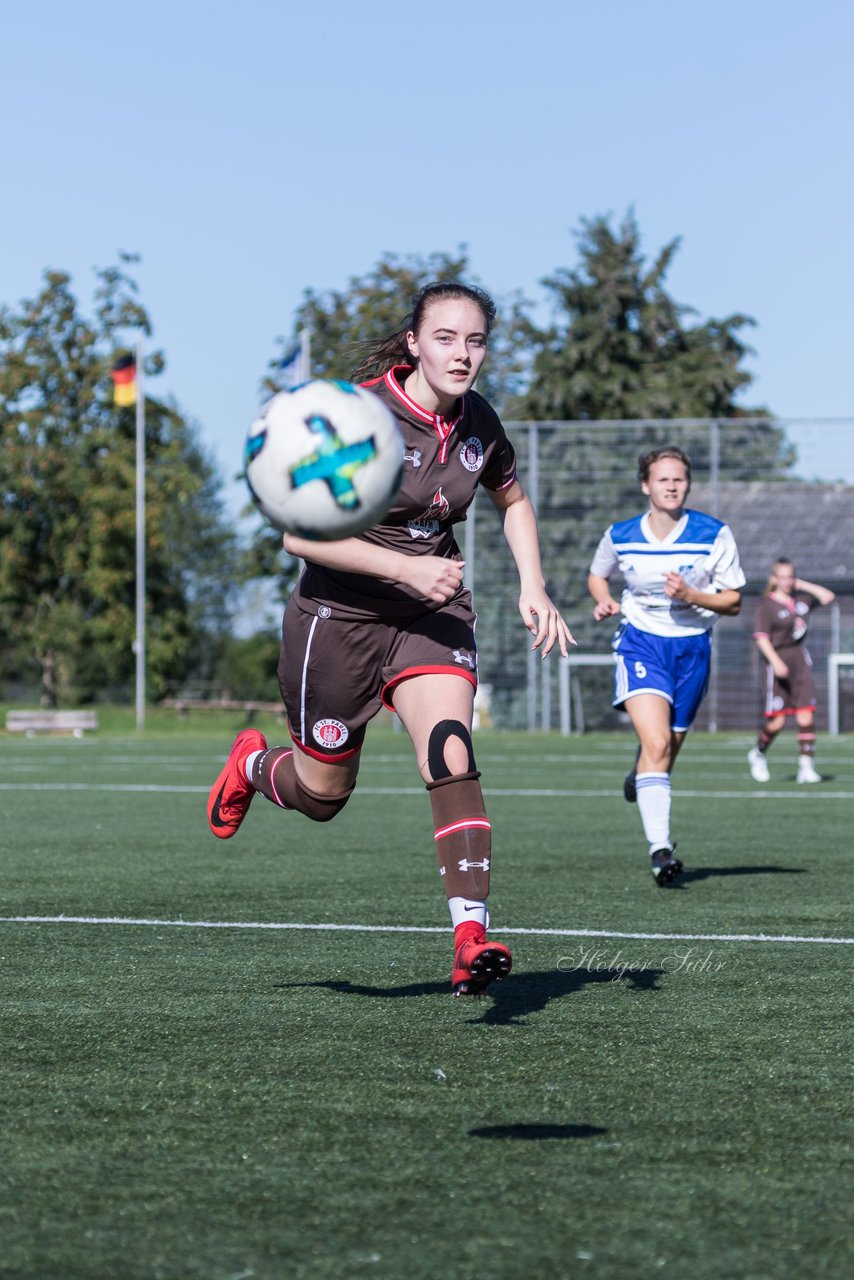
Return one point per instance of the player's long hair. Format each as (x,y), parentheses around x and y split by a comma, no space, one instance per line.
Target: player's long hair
(646,460)
(379,357)
(772,576)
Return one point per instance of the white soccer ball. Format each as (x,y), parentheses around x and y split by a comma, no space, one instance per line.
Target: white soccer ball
(325,460)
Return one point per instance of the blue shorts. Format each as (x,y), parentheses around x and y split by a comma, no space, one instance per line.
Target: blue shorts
(673,667)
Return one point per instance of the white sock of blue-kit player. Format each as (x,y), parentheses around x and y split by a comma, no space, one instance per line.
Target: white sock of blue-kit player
(654,808)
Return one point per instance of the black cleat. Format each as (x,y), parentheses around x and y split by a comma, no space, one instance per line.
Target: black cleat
(665,867)
(630,782)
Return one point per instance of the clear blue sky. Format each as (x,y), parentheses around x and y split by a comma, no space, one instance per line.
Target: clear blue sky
(249,151)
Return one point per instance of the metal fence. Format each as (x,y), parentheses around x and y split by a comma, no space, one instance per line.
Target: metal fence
(786,487)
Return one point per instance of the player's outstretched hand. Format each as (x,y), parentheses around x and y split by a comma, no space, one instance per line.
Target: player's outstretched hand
(605,609)
(434,577)
(545,623)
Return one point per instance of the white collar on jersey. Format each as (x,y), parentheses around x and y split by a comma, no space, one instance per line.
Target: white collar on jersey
(647,532)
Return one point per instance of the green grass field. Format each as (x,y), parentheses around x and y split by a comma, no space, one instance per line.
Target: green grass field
(235,1060)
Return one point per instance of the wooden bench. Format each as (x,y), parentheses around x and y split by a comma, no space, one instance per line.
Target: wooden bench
(184,705)
(32,722)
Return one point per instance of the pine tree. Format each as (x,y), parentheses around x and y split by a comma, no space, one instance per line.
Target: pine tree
(621,347)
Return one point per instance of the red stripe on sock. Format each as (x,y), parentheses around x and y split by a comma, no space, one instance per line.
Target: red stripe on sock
(279,800)
(463,825)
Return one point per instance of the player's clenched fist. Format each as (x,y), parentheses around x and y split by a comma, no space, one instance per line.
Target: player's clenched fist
(433,577)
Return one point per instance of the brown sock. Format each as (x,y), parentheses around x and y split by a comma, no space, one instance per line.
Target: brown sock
(462,834)
(274,775)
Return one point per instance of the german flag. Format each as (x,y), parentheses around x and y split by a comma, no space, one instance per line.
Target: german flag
(124,381)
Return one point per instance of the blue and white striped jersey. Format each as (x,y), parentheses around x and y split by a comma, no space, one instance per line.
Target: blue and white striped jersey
(700,548)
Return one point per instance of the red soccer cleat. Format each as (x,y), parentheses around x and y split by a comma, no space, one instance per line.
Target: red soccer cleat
(477,963)
(231,795)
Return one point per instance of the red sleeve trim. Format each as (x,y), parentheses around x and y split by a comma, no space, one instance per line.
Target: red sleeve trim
(505,485)
(423,671)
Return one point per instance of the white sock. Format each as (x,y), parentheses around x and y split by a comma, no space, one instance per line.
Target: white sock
(248,763)
(464,910)
(654,807)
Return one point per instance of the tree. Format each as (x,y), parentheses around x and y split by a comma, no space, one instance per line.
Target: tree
(67,502)
(620,346)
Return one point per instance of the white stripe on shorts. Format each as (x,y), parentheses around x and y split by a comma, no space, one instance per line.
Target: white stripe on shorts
(304,682)
(621,679)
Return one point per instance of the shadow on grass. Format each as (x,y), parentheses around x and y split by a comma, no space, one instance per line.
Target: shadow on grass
(525,993)
(360,989)
(707,873)
(810,786)
(536,1132)
(506,1003)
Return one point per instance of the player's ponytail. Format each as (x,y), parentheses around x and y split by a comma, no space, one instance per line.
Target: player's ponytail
(381,356)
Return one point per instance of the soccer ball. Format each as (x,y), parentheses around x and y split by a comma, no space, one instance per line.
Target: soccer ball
(325,460)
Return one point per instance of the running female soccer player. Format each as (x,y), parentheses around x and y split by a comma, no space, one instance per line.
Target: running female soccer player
(383,619)
(779,629)
(681,572)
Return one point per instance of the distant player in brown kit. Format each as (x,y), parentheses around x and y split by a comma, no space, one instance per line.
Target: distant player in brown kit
(383,619)
(779,630)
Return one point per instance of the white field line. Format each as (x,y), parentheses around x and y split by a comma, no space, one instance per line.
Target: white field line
(403,928)
(526,760)
(813,793)
(519,772)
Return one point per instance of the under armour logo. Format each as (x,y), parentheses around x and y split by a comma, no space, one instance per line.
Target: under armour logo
(413,456)
(466,658)
(465,865)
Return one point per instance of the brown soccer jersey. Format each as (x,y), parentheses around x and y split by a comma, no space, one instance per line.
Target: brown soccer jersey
(445,461)
(785,625)
(349,639)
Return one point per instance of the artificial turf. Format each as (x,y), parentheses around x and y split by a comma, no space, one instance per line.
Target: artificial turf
(222,1100)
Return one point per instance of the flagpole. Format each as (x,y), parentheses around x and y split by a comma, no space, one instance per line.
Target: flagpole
(139,644)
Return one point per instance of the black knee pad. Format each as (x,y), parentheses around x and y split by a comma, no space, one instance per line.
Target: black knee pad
(440,734)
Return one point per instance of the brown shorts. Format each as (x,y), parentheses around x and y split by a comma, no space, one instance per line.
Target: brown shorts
(797,691)
(336,673)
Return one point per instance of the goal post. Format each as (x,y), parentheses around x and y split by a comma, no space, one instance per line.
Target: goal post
(571,715)
(565,666)
(834,662)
